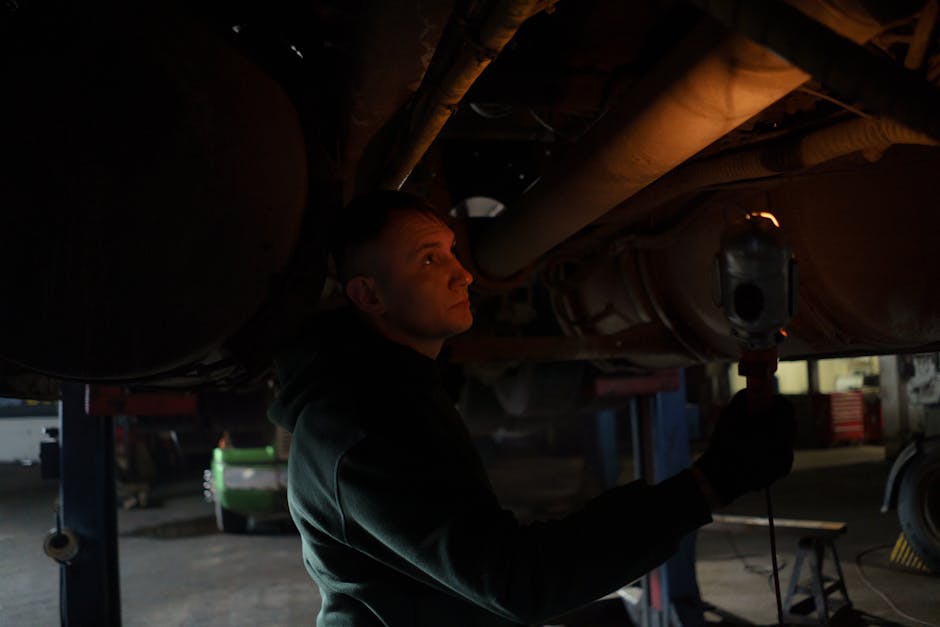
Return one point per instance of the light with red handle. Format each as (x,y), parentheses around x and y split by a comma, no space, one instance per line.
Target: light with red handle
(756,285)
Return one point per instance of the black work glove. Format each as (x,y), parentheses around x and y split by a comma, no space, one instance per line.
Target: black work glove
(747,451)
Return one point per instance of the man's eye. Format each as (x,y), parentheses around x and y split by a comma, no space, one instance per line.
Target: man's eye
(428,260)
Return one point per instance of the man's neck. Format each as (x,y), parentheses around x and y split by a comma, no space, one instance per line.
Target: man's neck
(430,348)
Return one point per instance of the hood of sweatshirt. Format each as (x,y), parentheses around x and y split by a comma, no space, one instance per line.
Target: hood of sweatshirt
(336,348)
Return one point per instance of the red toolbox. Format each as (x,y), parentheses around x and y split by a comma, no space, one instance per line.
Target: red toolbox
(840,417)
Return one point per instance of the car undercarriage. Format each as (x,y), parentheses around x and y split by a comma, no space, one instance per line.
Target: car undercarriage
(170,172)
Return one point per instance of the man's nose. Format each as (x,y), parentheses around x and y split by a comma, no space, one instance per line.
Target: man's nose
(460,276)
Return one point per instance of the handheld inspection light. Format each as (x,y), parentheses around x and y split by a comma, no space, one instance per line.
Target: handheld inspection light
(756,284)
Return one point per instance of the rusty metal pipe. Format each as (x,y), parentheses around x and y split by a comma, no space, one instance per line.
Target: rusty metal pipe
(787,155)
(852,72)
(676,112)
(396,41)
(438,103)
(650,344)
(920,42)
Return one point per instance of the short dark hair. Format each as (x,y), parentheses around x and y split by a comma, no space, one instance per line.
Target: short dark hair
(363,220)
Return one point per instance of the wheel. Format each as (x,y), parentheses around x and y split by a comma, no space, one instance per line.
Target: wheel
(228,521)
(919,506)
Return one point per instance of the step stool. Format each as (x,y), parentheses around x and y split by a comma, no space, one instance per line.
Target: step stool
(818,539)
(824,590)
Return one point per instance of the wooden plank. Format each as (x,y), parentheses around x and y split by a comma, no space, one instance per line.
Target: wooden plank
(818,526)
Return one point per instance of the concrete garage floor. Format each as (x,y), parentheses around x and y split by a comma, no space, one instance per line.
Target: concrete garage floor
(176,570)
(843,484)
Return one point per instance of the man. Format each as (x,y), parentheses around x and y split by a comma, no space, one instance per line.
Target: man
(399,523)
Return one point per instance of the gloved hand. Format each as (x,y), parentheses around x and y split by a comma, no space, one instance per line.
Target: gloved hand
(748,452)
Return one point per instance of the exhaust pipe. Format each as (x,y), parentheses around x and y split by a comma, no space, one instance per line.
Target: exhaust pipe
(439,102)
(678,111)
(815,148)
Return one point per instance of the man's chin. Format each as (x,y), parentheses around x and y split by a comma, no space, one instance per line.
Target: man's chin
(461,326)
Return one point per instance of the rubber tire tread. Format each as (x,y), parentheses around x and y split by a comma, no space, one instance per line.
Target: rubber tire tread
(910,511)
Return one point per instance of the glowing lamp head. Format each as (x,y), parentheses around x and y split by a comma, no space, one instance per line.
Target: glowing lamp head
(756,280)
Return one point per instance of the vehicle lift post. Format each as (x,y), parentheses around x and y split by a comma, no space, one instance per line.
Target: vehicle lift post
(84,540)
(661,449)
(89,581)
(668,596)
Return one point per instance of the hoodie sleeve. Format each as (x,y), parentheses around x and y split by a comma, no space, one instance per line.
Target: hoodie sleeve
(417,512)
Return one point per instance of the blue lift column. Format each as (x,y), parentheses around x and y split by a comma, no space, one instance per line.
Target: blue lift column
(89,585)
(661,449)
(608,453)
(672,454)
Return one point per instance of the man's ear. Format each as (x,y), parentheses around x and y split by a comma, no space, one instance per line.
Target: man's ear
(361,291)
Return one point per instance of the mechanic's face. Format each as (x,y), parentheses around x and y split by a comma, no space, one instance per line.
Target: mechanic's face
(420,287)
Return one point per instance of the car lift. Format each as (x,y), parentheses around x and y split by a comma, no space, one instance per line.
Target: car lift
(84,540)
(667,596)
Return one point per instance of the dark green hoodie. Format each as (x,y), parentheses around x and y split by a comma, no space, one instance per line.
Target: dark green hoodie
(399,523)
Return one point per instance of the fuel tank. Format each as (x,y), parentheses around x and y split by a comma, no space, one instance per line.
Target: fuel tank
(152,186)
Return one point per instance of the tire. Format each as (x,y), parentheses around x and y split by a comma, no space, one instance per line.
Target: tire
(228,521)
(919,506)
